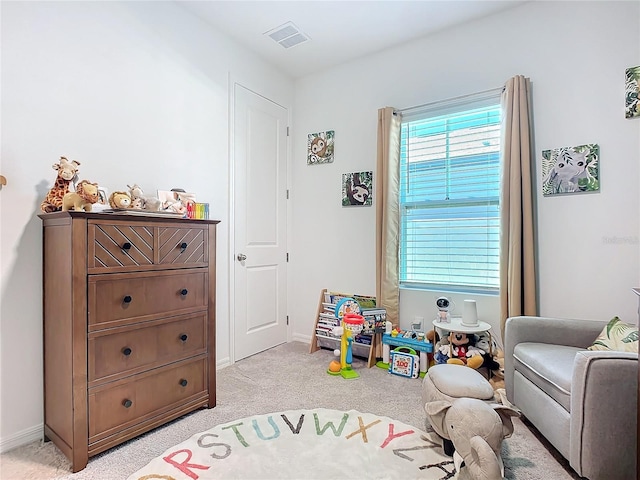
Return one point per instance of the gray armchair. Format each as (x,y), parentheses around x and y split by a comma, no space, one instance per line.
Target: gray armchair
(584,402)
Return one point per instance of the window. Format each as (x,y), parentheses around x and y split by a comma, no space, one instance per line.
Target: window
(450,196)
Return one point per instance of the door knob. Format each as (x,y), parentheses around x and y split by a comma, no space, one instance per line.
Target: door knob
(241,257)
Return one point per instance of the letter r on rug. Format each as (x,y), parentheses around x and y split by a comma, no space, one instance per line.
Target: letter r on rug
(184,466)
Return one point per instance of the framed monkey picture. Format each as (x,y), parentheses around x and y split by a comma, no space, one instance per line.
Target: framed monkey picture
(320,147)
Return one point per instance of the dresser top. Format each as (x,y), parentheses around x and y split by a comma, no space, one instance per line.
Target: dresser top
(123,215)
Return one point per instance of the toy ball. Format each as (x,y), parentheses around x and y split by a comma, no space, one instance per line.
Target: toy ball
(334,366)
(336,352)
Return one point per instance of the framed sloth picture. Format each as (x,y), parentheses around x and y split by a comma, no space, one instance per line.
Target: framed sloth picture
(357,189)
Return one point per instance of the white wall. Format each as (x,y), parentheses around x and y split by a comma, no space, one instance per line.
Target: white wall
(138,92)
(575,54)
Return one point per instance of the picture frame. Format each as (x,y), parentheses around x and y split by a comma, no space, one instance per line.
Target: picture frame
(103,200)
(632,92)
(103,195)
(320,147)
(569,170)
(357,189)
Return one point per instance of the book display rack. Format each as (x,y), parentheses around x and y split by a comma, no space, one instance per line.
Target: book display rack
(331,307)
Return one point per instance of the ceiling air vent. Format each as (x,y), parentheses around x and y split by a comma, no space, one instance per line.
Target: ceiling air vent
(287,35)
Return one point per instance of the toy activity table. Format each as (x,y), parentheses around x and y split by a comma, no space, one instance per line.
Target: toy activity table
(420,346)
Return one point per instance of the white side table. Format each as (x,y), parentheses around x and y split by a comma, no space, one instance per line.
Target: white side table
(456,325)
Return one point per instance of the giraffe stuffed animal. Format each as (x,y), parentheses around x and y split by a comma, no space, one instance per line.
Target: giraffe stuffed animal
(67,172)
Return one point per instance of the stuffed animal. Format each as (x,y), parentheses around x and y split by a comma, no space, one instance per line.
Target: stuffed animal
(83,198)
(119,200)
(486,343)
(137,203)
(460,351)
(432,337)
(140,201)
(496,375)
(476,429)
(67,173)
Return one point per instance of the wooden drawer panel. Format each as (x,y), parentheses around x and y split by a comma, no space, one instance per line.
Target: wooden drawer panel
(119,299)
(124,351)
(120,404)
(119,245)
(177,246)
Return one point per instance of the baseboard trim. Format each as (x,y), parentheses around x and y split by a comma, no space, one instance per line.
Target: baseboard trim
(22,438)
(298,337)
(222,363)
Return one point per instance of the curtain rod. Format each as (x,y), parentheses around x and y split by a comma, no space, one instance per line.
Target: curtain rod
(448,100)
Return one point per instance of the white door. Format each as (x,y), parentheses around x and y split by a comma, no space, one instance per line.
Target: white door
(260,214)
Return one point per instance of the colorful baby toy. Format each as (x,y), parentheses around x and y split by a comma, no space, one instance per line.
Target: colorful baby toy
(352,324)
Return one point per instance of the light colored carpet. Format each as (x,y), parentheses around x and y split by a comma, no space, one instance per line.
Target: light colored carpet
(283,378)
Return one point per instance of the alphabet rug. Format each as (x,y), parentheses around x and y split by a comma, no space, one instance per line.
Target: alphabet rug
(305,444)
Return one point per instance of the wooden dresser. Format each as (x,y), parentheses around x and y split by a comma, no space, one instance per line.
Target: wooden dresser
(129,326)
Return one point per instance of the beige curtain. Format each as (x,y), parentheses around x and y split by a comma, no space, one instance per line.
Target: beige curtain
(517,261)
(388,212)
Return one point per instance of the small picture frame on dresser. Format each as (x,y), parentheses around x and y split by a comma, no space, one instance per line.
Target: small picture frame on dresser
(103,200)
(103,194)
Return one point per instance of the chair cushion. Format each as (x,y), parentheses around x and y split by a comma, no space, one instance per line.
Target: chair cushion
(549,367)
(460,381)
(618,336)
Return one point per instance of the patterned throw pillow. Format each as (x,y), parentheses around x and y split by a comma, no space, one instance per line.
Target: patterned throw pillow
(618,336)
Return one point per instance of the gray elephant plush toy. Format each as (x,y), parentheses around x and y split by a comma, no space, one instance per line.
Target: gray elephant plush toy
(476,429)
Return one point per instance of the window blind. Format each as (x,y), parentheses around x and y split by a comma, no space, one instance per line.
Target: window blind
(449,197)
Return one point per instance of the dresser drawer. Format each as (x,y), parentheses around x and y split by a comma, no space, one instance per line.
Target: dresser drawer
(120,299)
(118,405)
(119,246)
(133,246)
(124,351)
(179,246)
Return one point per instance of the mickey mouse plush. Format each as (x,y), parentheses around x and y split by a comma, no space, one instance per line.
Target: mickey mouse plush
(461,350)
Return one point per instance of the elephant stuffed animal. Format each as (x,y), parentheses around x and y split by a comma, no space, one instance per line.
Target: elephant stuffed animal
(476,429)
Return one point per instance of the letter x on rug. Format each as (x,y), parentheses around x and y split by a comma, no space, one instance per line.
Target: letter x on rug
(305,444)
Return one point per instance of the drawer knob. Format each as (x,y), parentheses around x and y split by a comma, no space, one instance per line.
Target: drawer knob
(184,337)
(127,299)
(184,292)
(126,246)
(127,403)
(183,247)
(183,382)
(126,351)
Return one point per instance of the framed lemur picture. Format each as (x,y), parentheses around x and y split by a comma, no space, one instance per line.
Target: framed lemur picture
(571,170)
(320,147)
(357,189)
(632,92)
